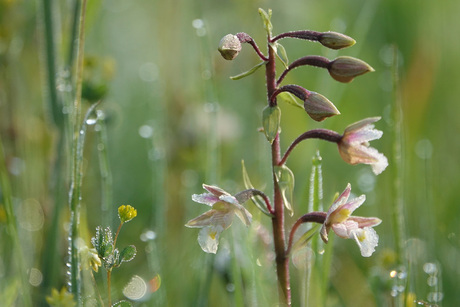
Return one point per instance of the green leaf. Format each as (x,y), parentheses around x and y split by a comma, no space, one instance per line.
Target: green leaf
(128,253)
(306,237)
(266,20)
(122,304)
(290,99)
(281,54)
(249,72)
(271,118)
(256,200)
(285,179)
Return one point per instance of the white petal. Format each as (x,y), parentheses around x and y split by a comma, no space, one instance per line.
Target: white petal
(208,238)
(367,239)
(205,198)
(380,165)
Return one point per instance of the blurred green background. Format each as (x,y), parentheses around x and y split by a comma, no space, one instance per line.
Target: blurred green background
(175,120)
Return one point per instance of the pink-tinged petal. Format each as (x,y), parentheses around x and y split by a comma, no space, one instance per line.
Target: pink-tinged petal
(361,124)
(229,199)
(244,215)
(205,198)
(212,217)
(363,136)
(203,220)
(340,201)
(344,229)
(353,204)
(208,238)
(367,239)
(365,221)
(214,190)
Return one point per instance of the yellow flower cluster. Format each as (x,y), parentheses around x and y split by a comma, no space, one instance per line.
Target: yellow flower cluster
(126,213)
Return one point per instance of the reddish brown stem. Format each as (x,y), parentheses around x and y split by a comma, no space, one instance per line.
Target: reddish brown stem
(323,134)
(282,261)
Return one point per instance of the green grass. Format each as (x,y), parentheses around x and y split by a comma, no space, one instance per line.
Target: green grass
(169,78)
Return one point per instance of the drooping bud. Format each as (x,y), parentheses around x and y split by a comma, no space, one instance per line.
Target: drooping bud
(319,107)
(345,69)
(229,46)
(334,40)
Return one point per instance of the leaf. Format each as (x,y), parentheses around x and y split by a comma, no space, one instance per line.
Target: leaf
(256,200)
(249,72)
(266,20)
(271,118)
(281,54)
(285,179)
(128,253)
(290,99)
(305,238)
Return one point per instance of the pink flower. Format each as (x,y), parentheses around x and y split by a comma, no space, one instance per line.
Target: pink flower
(220,217)
(354,147)
(351,227)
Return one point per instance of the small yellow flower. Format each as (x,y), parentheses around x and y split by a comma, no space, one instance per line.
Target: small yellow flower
(126,213)
(60,298)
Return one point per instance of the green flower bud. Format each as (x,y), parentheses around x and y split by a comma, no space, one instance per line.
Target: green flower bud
(319,107)
(334,40)
(229,46)
(345,69)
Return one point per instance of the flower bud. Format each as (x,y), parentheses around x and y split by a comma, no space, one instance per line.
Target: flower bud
(126,213)
(345,69)
(319,107)
(229,46)
(334,40)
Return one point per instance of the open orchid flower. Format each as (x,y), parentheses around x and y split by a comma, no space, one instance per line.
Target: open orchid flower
(354,145)
(220,217)
(346,226)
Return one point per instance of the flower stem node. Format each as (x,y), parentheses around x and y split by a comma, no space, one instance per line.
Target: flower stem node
(346,226)
(220,217)
(345,69)
(126,213)
(229,46)
(334,40)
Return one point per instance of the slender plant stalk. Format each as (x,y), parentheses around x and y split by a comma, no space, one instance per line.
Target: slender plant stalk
(13,228)
(77,158)
(282,260)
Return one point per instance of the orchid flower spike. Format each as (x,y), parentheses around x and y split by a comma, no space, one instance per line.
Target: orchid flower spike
(351,227)
(220,217)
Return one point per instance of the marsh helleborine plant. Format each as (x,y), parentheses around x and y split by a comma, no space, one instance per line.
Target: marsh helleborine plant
(353,146)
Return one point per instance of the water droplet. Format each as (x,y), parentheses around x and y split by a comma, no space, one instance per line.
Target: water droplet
(100,146)
(393,274)
(430,268)
(148,235)
(402,275)
(16,166)
(82,132)
(424,149)
(230,287)
(91,121)
(321,251)
(35,277)
(432,281)
(258,263)
(149,72)
(135,289)
(435,296)
(198,23)
(30,215)
(146,131)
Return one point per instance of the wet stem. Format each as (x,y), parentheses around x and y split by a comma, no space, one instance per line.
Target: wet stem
(282,259)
